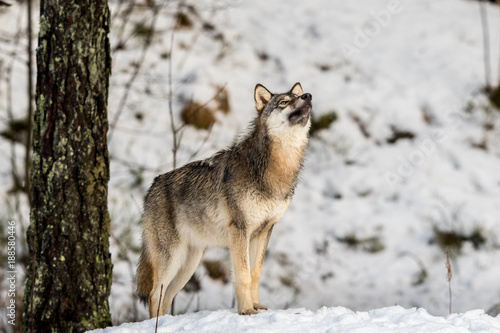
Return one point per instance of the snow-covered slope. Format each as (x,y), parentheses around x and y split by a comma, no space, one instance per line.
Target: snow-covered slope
(338,319)
(365,225)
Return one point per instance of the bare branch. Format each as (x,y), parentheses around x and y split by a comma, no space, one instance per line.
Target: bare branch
(9,107)
(137,69)
(125,20)
(486,45)
(27,158)
(176,142)
(449,276)
(217,93)
(158,311)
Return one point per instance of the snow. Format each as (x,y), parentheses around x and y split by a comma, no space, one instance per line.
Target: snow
(422,73)
(337,319)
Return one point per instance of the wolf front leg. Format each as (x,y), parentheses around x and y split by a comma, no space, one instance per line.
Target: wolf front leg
(258,247)
(240,258)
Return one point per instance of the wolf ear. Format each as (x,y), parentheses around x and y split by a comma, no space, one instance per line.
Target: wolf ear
(262,96)
(297,89)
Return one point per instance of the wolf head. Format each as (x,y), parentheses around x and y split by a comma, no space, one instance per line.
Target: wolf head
(284,115)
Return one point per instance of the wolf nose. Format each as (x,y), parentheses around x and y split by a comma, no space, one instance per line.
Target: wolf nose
(306,96)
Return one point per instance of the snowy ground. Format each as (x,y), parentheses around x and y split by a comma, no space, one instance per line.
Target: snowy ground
(338,319)
(423,78)
(361,230)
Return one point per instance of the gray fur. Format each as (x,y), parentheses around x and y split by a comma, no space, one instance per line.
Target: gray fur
(212,202)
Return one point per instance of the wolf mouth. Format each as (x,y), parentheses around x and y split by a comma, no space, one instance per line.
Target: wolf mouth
(300,116)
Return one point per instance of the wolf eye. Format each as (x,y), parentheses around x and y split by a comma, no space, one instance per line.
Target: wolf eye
(283,103)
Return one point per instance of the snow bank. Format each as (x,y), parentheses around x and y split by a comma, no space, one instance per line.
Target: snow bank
(336,319)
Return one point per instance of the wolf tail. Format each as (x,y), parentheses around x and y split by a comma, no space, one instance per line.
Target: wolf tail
(144,277)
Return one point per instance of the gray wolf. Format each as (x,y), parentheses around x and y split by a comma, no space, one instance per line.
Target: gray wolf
(232,199)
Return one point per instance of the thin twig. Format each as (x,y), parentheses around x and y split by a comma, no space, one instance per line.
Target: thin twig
(10,67)
(147,133)
(158,311)
(193,294)
(115,12)
(192,44)
(170,96)
(205,139)
(423,272)
(10,111)
(137,69)
(32,290)
(135,165)
(125,20)
(486,44)
(201,107)
(449,276)
(27,158)
(498,4)
(198,302)
(137,204)
(209,132)
(125,253)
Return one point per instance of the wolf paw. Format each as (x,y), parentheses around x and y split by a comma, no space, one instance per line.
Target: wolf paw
(248,312)
(258,306)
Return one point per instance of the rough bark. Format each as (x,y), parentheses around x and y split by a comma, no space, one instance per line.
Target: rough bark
(69,276)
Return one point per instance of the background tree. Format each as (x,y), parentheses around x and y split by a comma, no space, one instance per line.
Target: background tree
(69,275)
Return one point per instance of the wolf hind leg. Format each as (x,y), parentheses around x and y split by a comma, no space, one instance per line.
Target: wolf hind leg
(167,269)
(186,270)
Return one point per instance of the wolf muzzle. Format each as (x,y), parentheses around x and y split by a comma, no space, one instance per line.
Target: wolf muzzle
(301,115)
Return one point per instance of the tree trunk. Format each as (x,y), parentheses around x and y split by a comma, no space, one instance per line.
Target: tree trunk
(69,276)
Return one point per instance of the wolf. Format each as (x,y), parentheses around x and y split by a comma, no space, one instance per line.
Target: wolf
(232,199)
